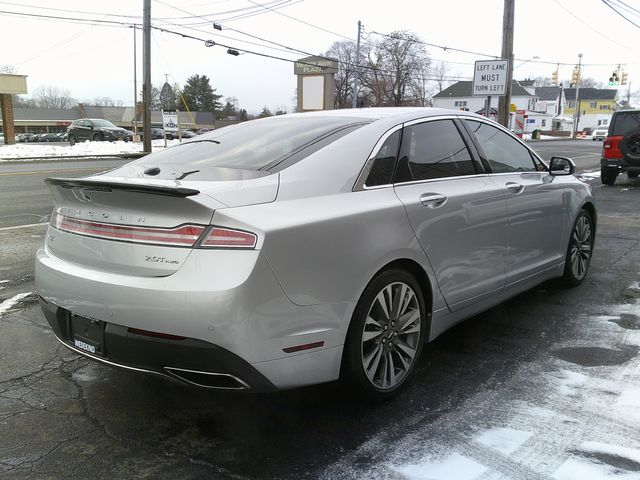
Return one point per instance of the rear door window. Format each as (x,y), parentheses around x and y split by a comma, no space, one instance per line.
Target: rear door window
(433,150)
(384,162)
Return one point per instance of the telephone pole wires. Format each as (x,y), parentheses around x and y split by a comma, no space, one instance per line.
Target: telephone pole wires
(504,102)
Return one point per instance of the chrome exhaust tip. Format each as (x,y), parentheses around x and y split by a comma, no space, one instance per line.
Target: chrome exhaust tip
(211,380)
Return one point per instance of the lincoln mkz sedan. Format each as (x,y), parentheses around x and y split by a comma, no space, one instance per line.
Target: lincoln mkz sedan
(307,248)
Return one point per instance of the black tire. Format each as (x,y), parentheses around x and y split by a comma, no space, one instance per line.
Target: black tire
(633,174)
(608,175)
(390,341)
(630,145)
(72,140)
(579,251)
(97,137)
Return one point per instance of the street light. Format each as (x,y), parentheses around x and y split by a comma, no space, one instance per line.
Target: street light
(532,58)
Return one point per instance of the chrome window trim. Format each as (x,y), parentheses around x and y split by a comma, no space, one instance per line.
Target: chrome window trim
(430,180)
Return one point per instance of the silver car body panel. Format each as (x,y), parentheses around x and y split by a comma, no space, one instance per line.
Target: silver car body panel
(322,237)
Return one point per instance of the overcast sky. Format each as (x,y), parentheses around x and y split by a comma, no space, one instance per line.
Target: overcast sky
(92,61)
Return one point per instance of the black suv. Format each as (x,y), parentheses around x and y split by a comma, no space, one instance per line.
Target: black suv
(621,149)
(95,129)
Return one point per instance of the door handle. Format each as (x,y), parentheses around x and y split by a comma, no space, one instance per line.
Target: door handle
(433,200)
(516,188)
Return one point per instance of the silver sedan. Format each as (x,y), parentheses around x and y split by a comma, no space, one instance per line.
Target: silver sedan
(307,248)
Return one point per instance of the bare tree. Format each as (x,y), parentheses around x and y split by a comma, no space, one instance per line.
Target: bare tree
(439,73)
(104,102)
(53,97)
(345,53)
(395,65)
(542,82)
(588,82)
(7,69)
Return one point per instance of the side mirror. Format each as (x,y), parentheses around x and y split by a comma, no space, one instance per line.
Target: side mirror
(561,166)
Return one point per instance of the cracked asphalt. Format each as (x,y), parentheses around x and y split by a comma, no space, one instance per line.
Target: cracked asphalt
(62,416)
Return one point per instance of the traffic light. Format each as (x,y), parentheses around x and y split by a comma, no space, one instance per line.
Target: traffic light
(554,77)
(613,79)
(575,77)
(623,80)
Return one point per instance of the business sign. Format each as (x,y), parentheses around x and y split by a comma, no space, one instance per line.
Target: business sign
(490,77)
(170,121)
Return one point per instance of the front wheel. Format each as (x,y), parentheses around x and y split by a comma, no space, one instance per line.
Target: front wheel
(72,140)
(385,337)
(580,250)
(608,175)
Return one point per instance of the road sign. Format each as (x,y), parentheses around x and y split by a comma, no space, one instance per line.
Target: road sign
(490,77)
(170,121)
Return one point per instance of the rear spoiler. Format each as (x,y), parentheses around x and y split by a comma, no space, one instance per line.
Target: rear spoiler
(93,185)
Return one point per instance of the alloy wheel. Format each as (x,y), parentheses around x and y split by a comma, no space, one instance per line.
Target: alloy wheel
(391,336)
(581,245)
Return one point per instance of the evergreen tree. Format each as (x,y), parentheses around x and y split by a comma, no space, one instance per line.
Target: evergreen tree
(167,97)
(200,96)
(265,112)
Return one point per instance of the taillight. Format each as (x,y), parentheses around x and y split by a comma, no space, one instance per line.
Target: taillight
(220,237)
(611,147)
(182,236)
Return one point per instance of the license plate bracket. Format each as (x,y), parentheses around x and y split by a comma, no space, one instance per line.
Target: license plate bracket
(87,334)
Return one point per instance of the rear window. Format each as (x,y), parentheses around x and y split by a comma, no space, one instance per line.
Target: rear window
(255,145)
(624,122)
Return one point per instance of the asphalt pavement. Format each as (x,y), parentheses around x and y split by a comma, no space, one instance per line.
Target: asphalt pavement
(546,385)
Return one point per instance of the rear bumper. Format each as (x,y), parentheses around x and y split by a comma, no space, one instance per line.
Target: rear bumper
(228,305)
(186,360)
(620,163)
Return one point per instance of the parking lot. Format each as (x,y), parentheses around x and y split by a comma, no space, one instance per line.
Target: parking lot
(546,385)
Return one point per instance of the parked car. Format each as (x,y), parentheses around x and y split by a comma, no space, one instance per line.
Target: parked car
(203,130)
(187,134)
(303,248)
(23,137)
(156,134)
(600,133)
(94,129)
(34,137)
(621,148)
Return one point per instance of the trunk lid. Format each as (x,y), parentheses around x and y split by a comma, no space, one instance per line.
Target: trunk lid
(138,226)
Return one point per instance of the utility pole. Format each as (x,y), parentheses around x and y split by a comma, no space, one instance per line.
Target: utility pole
(146,66)
(507,54)
(135,84)
(577,116)
(354,101)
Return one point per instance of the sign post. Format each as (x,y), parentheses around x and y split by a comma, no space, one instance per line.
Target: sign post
(490,78)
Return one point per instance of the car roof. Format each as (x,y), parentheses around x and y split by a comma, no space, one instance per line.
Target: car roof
(401,114)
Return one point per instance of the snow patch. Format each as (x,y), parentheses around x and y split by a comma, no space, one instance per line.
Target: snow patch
(504,440)
(454,466)
(598,447)
(568,382)
(9,303)
(84,149)
(594,174)
(582,469)
(629,398)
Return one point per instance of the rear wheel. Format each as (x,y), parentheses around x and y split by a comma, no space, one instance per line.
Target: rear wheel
(385,336)
(608,175)
(580,250)
(96,137)
(633,174)
(72,140)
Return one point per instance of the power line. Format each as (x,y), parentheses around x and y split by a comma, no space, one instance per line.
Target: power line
(614,9)
(85,21)
(588,25)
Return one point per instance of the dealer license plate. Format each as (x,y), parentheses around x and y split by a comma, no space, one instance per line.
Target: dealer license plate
(88,334)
